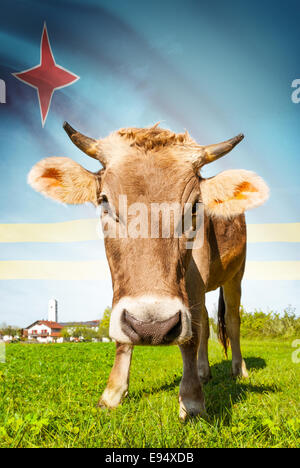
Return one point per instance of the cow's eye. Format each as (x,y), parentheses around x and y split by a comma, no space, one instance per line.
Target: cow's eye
(107,209)
(104,204)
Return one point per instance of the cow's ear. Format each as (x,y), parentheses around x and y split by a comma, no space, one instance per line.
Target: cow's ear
(230,193)
(65,181)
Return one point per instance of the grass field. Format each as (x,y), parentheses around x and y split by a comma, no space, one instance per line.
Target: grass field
(49,395)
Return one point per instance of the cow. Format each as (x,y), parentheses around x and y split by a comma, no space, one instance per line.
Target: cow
(159,282)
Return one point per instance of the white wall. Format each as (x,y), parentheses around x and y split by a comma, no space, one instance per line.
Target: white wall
(38,328)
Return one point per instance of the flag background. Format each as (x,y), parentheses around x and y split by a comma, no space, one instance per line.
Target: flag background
(215,68)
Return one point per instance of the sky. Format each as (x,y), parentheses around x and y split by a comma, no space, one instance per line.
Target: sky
(214,68)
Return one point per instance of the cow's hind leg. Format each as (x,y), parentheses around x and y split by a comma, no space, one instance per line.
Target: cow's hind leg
(118,381)
(232,298)
(203,364)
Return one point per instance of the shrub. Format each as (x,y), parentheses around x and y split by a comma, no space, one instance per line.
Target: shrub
(270,324)
(103,331)
(265,324)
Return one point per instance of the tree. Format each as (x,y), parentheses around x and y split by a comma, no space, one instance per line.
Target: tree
(65,334)
(84,333)
(78,332)
(104,323)
(88,334)
(10,331)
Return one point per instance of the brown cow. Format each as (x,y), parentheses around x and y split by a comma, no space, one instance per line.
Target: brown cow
(159,283)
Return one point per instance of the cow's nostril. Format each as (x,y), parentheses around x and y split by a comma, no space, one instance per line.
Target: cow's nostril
(174,332)
(127,325)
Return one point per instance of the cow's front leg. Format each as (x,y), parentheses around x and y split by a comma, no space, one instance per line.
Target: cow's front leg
(191,398)
(118,381)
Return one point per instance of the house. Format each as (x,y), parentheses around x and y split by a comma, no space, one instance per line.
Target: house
(44,331)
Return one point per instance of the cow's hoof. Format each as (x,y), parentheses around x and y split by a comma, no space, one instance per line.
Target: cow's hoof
(104,404)
(111,398)
(189,409)
(239,370)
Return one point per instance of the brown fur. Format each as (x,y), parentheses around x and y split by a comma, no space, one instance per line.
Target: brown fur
(154,138)
(64,180)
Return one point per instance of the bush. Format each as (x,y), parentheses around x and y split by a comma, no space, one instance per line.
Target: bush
(270,324)
(266,324)
(103,331)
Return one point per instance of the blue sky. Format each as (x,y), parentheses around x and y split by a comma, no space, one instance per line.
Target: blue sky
(214,68)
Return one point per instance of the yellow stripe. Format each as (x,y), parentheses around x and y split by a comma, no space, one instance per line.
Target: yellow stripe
(89,229)
(98,270)
(69,231)
(281,232)
(272,270)
(52,270)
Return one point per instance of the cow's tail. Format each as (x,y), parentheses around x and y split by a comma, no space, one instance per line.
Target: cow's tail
(222,334)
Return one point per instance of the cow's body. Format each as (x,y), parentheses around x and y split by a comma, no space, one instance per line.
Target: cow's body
(159,283)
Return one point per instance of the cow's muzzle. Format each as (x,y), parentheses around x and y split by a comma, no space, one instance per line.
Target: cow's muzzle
(150,320)
(151,332)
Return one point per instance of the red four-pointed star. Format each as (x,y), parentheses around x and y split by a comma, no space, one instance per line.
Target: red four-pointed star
(46,77)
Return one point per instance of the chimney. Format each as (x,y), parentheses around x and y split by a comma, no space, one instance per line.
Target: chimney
(52,310)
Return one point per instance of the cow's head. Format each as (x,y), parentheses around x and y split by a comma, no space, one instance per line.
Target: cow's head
(151,167)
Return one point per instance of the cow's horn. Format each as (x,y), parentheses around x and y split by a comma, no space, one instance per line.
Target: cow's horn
(88,145)
(211,153)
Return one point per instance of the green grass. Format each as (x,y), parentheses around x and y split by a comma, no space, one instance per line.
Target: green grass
(48,397)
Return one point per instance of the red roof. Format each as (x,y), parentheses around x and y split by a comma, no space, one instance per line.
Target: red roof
(51,325)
